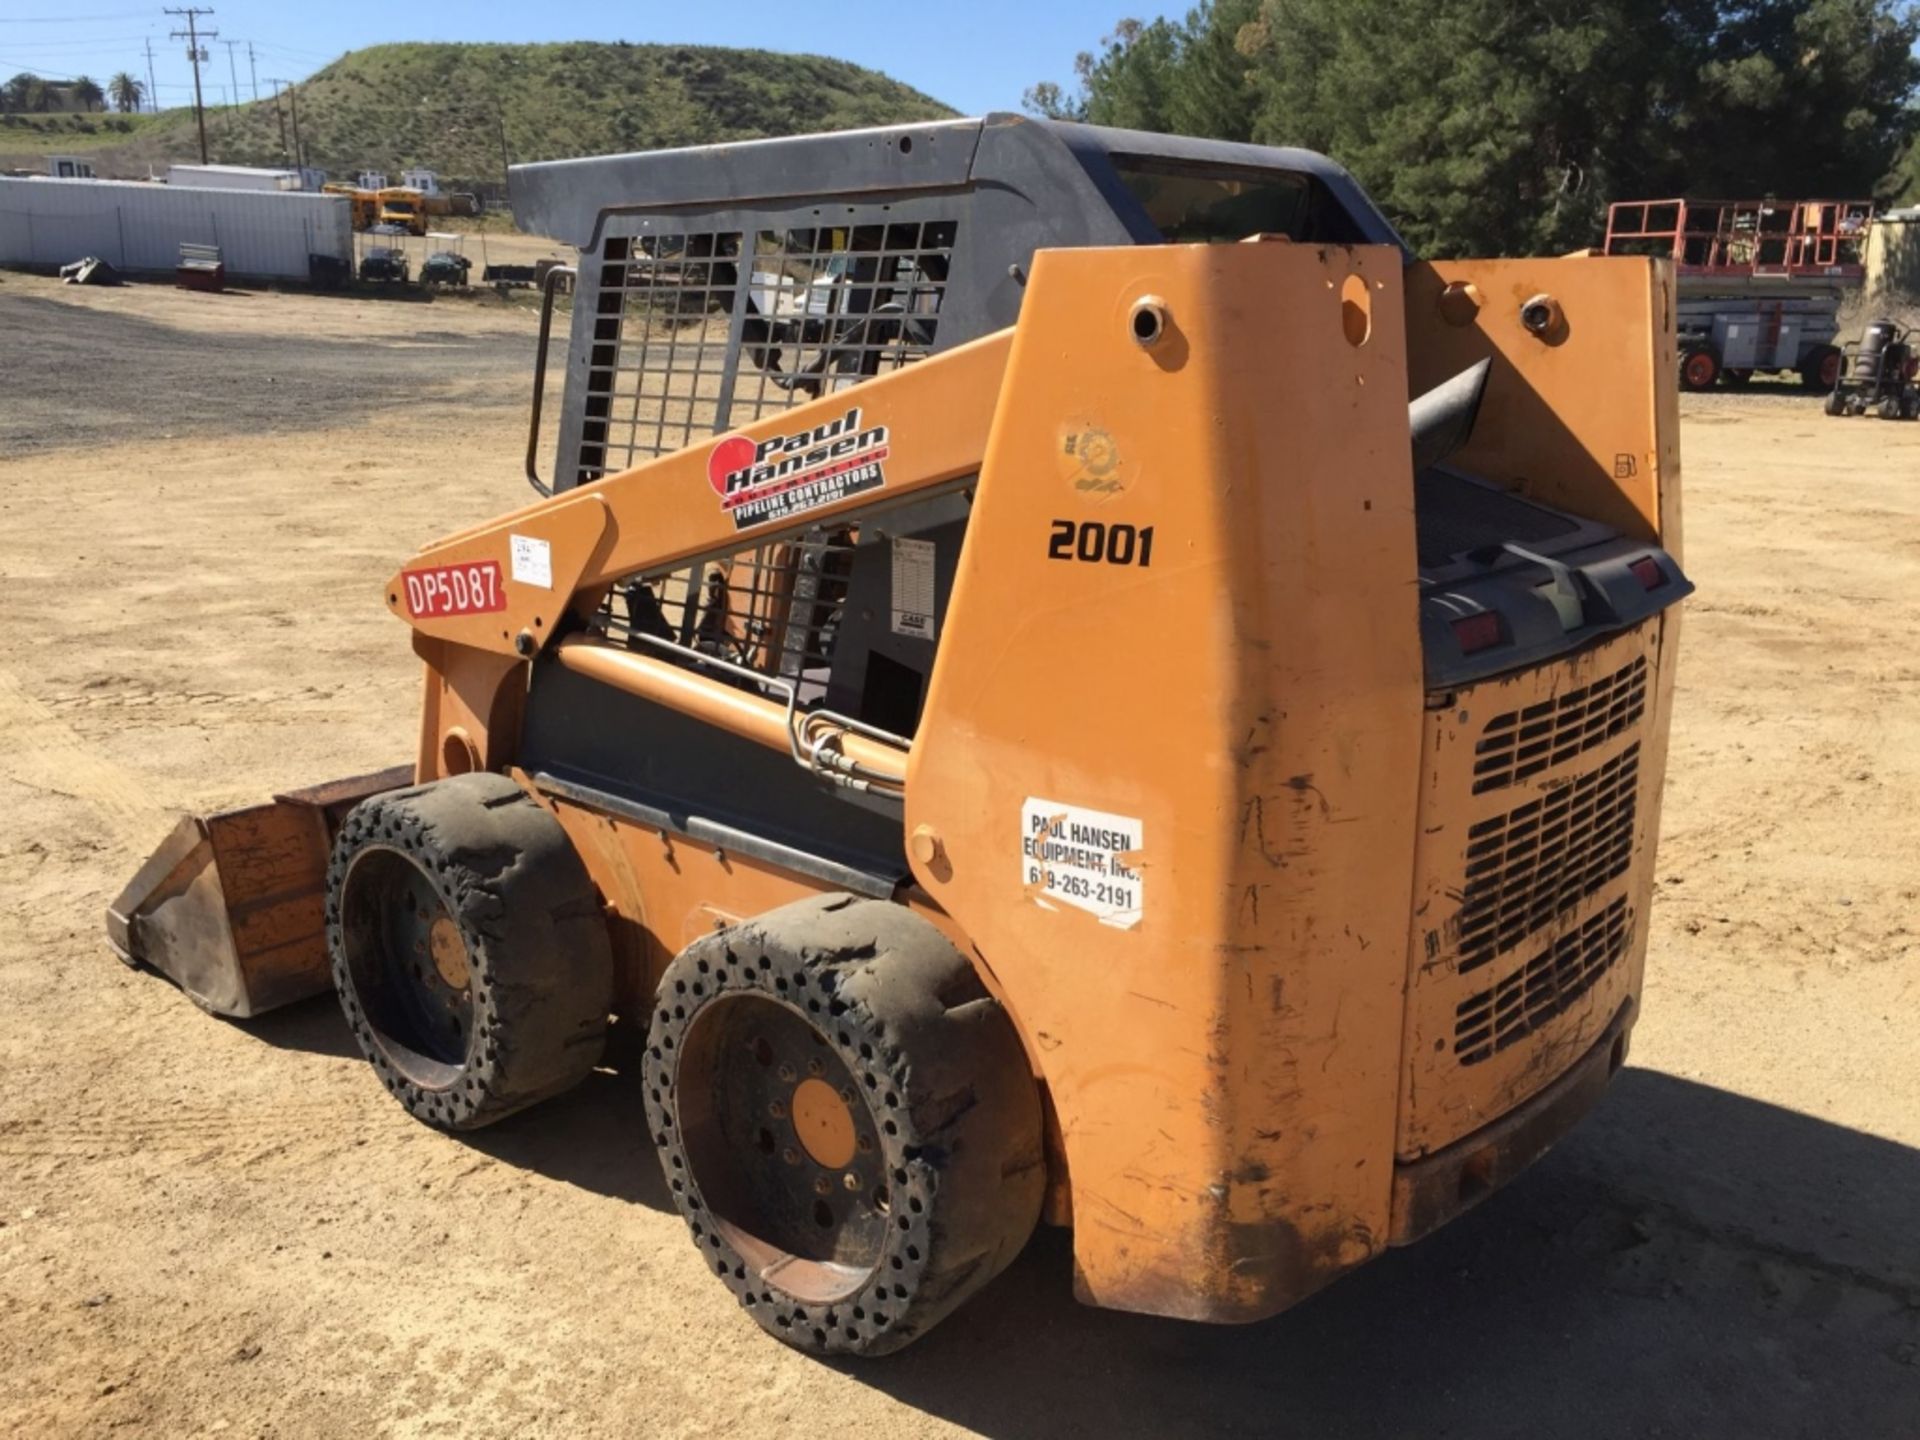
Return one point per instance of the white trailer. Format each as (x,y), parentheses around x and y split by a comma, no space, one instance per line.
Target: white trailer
(139,226)
(235,177)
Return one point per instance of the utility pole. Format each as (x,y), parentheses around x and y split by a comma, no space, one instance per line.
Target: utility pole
(196,54)
(252,74)
(293,104)
(153,91)
(231,75)
(279,115)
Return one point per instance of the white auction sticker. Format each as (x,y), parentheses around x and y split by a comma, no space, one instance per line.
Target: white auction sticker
(1084,858)
(913,588)
(532,561)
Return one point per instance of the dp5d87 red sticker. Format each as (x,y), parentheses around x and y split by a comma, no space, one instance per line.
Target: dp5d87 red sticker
(470,589)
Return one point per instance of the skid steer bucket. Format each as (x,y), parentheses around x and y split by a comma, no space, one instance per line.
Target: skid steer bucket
(229,907)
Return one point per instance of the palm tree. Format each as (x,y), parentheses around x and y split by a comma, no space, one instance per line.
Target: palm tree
(87,95)
(127,92)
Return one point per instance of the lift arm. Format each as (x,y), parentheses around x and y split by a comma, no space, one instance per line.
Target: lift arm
(502,586)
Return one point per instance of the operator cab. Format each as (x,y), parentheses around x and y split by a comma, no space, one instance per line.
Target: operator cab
(718,285)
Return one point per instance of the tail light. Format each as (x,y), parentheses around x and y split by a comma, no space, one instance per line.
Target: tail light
(1474,633)
(1648,572)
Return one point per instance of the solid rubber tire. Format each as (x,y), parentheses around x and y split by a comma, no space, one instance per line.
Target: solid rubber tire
(540,959)
(909,1016)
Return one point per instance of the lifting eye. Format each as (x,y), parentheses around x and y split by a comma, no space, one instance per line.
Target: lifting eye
(1541,315)
(1147,322)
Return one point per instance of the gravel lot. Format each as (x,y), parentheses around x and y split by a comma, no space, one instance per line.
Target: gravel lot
(207,1226)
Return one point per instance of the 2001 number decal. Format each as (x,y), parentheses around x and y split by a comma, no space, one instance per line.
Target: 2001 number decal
(1095,543)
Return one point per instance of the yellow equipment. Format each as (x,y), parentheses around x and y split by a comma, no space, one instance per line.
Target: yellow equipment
(1032,712)
(404,207)
(366,203)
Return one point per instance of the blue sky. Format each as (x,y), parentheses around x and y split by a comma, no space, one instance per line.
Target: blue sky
(975,56)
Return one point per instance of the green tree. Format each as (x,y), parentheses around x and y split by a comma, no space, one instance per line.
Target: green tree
(1505,126)
(1130,83)
(1161,76)
(25,94)
(1048,99)
(87,95)
(126,92)
(1212,88)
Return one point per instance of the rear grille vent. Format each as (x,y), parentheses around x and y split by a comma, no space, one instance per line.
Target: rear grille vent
(1522,743)
(1487,1023)
(1525,867)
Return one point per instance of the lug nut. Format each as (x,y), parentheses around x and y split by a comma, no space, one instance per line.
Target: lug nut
(777,1110)
(823,1186)
(865,1144)
(814,1067)
(790,1155)
(846,1094)
(785,1072)
(850,1180)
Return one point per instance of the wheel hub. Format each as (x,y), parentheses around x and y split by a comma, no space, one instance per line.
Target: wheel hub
(824,1124)
(409,963)
(449,952)
(784,1146)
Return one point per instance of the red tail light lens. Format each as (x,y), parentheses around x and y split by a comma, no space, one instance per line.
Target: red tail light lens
(1477,632)
(1648,572)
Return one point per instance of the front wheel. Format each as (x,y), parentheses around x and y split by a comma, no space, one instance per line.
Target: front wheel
(847,1121)
(469,949)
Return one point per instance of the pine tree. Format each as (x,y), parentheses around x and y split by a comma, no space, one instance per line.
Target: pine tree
(1506,126)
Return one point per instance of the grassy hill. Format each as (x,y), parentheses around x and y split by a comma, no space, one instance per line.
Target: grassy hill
(447,106)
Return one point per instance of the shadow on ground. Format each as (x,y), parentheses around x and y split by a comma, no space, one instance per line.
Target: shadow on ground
(588,1137)
(1687,1263)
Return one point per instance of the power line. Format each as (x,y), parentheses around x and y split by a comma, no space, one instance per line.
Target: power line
(70,19)
(298,54)
(106,42)
(39,74)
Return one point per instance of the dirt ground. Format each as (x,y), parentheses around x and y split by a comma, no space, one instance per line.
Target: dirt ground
(213,1227)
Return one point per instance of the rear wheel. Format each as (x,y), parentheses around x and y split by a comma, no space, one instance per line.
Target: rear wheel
(847,1121)
(1836,403)
(1820,368)
(468,949)
(1699,368)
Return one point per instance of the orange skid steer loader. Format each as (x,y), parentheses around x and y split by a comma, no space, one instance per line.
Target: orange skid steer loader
(1037,709)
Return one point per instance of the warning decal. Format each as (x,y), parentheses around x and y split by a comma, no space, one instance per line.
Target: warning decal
(532,560)
(913,587)
(1088,859)
(782,476)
